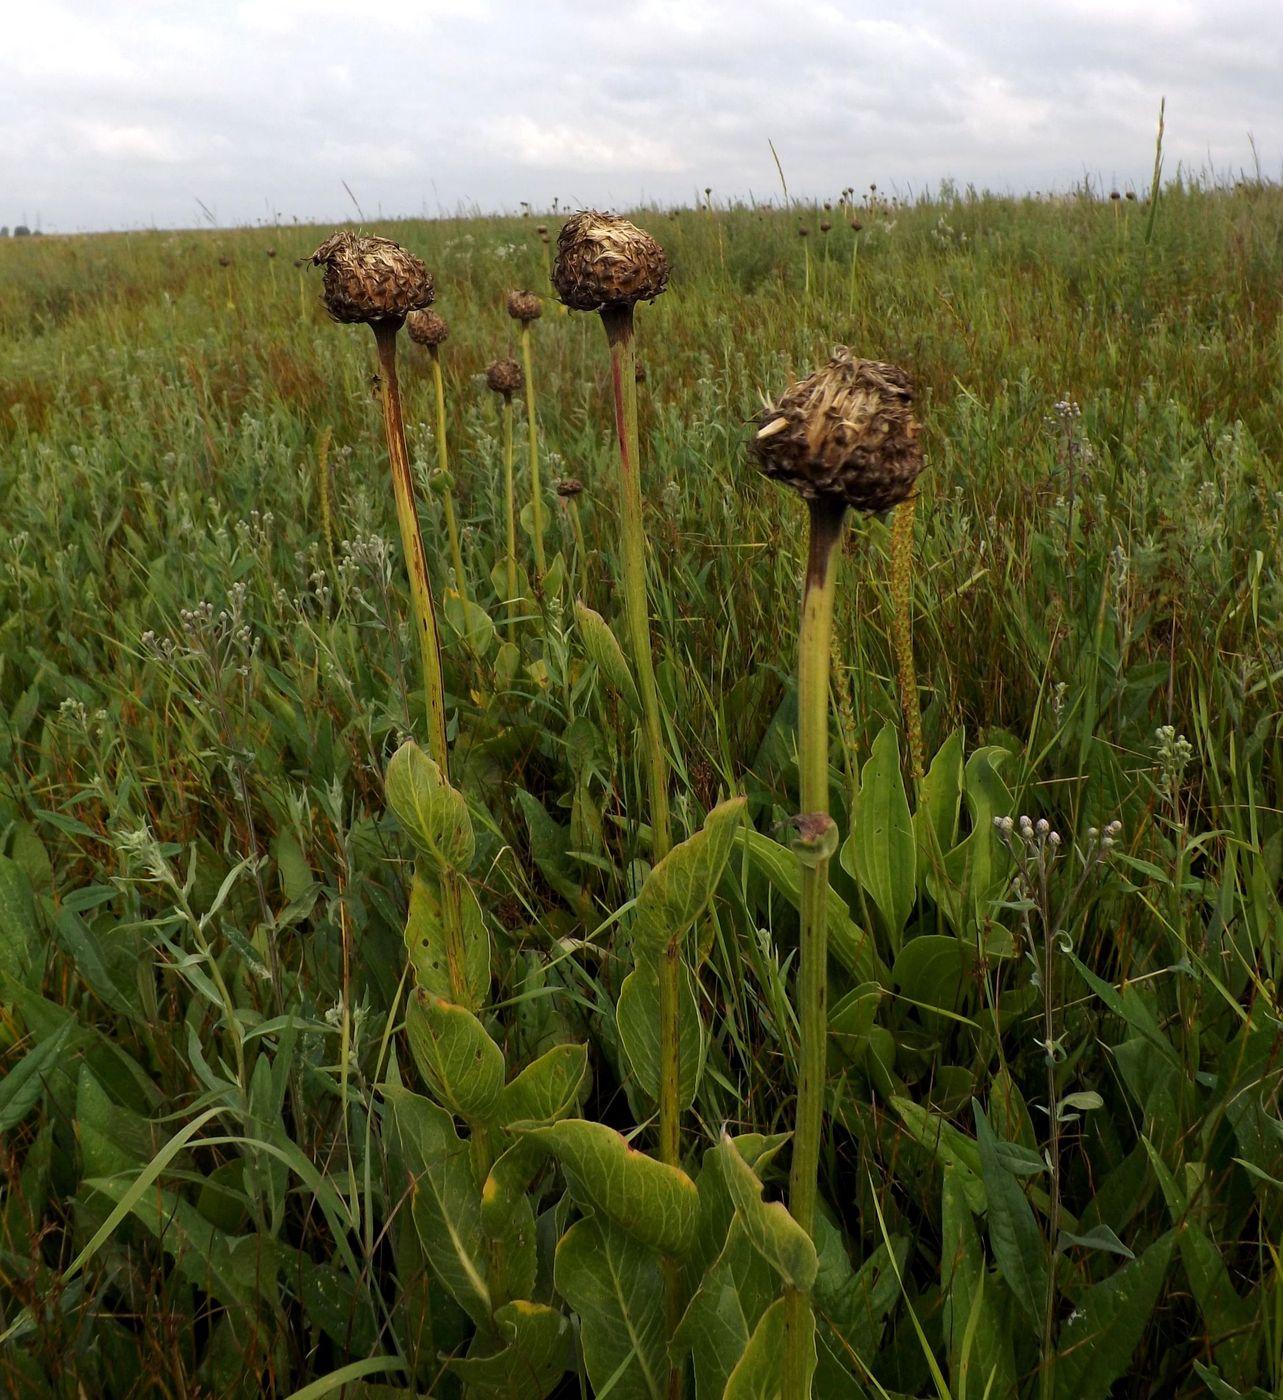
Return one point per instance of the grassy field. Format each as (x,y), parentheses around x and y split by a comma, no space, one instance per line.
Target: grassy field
(1053,1157)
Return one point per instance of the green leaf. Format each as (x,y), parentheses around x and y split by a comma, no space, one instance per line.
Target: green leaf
(443,1198)
(426,943)
(732,1296)
(547,1089)
(550,846)
(929,971)
(979,1343)
(975,870)
(879,852)
(1098,1237)
(1014,1235)
(1220,1389)
(1131,1005)
(22,1086)
(607,655)
(17,920)
(953,1149)
(780,1240)
(760,1370)
(637,1017)
(656,1204)
(935,823)
(536,1352)
(680,887)
(1108,1322)
(469,622)
(614,1284)
(455,1054)
(433,814)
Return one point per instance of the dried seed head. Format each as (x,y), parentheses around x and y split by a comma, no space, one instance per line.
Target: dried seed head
(639,372)
(524,307)
(856,225)
(505,377)
(846,433)
(603,261)
(803,231)
(271,252)
(542,231)
(372,279)
(569,487)
(427,327)
(825,226)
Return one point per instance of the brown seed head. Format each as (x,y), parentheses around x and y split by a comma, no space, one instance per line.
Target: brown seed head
(569,487)
(846,432)
(1113,194)
(856,225)
(271,252)
(427,327)
(825,226)
(524,307)
(604,261)
(372,279)
(803,231)
(505,377)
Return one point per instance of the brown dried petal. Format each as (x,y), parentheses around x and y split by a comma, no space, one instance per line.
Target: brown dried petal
(847,432)
(569,487)
(427,327)
(505,377)
(372,279)
(603,260)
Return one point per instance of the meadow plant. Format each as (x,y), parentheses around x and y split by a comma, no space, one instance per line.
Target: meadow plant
(505,378)
(526,308)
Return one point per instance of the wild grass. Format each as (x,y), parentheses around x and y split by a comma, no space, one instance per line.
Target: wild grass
(1047,1062)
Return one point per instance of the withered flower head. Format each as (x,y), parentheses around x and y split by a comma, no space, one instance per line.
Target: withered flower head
(271,252)
(427,327)
(569,487)
(825,226)
(505,377)
(856,225)
(846,432)
(605,261)
(372,279)
(524,307)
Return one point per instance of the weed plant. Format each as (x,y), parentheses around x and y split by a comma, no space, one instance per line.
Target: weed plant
(1052,1161)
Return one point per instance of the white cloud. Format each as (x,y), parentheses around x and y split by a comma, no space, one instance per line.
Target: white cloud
(129,143)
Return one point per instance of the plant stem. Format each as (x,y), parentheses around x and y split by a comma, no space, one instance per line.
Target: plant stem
(536,486)
(902,631)
(618,322)
(510,505)
(826,517)
(443,462)
(425,624)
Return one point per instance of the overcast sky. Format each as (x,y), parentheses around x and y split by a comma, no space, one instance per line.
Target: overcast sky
(126,113)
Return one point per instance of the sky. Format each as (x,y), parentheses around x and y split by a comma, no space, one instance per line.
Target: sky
(132,113)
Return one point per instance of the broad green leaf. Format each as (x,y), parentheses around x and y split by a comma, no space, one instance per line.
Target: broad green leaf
(614,1285)
(1017,1242)
(879,852)
(23,1084)
(951,1148)
(851,1019)
(504,1190)
(774,1233)
(537,1348)
(1220,1389)
(849,944)
(455,1054)
(975,870)
(469,622)
(935,823)
(979,1343)
(760,1370)
(550,846)
(108,965)
(607,655)
(855,1303)
(427,946)
(656,1204)
(433,814)
(443,1197)
(1132,1006)
(637,1016)
(338,1306)
(679,888)
(547,1089)
(17,920)
(929,971)
(1097,1342)
(1098,1237)
(112,1139)
(732,1296)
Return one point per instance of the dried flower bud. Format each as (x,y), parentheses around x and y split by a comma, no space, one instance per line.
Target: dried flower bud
(569,488)
(505,377)
(603,260)
(803,231)
(427,327)
(639,372)
(825,226)
(524,307)
(371,279)
(271,252)
(856,225)
(542,231)
(847,432)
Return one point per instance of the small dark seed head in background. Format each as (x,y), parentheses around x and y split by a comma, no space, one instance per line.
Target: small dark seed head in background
(505,377)
(427,327)
(605,261)
(846,433)
(371,279)
(524,307)
(569,488)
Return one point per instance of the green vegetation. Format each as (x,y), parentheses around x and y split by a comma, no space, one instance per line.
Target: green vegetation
(244,1140)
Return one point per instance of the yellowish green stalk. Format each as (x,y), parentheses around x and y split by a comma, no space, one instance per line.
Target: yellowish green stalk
(443,462)
(902,631)
(510,509)
(532,425)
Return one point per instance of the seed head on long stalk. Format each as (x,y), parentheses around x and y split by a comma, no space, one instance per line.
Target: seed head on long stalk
(505,378)
(844,436)
(430,329)
(526,307)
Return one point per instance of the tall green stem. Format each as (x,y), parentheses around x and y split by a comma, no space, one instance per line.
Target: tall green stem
(902,631)
(425,622)
(618,321)
(826,517)
(510,506)
(443,461)
(536,486)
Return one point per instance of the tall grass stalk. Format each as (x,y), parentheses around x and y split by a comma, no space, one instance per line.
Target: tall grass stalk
(532,427)
(446,486)
(902,632)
